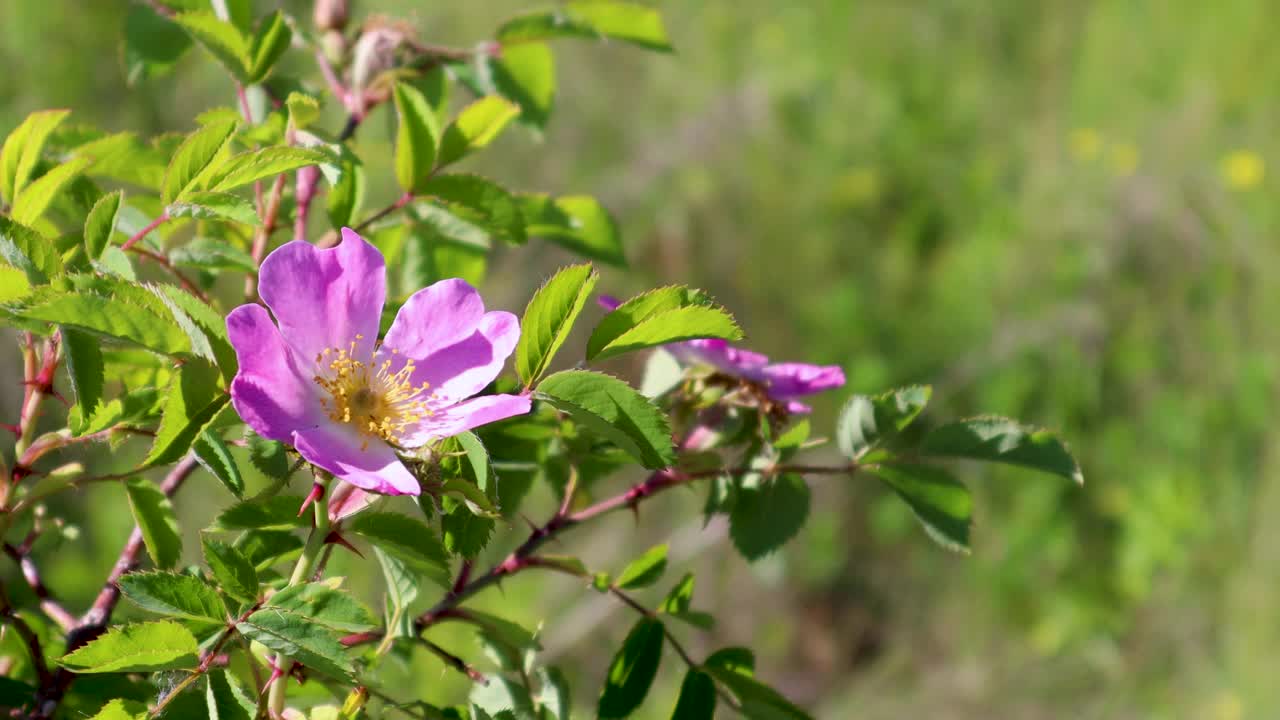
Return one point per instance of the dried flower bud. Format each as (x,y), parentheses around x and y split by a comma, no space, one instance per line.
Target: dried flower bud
(330,14)
(375,50)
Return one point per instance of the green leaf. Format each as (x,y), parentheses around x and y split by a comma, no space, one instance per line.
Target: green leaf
(416,138)
(997,439)
(697,697)
(629,22)
(265,548)
(941,503)
(191,403)
(181,596)
(678,601)
(465,533)
(578,223)
(140,647)
(732,659)
(476,202)
(297,636)
(510,643)
(758,700)
(402,589)
(110,316)
(659,317)
(269,43)
(35,197)
(253,165)
(100,223)
(549,317)
(85,368)
(347,196)
(22,150)
(221,39)
(214,206)
(767,515)
(269,456)
(553,695)
(526,75)
(225,699)
(14,284)
(404,538)
(154,514)
(152,43)
(632,670)
(278,512)
(865,421)
(231,568)
(203,326)
(475,127)
(216,458)
(303,110)
(614,410)
(120,709)
(321,604)
(644,570)
(193,159)
(27,250)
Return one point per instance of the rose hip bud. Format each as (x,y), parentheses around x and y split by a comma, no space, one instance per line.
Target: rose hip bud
(330,14)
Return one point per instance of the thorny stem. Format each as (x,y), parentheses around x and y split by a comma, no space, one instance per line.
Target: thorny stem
(50,606)
(94,622)
(403,200)
(163,262)
(263,235)
(455,662)
(161,219)
(39,383)
(302,573)
(523,556)
(28,635)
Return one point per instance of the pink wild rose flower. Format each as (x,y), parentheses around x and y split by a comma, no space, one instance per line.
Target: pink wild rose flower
(782,382)
(318,379)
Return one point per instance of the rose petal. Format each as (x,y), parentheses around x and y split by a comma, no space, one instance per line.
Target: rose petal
(790,380)
(461,370)
(467,415)
(720,355)
(325,298)
(269,391)
(435,317)
(370,464)
(347,500)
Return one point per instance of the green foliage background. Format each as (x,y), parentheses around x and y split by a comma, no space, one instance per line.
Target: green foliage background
(1024,204)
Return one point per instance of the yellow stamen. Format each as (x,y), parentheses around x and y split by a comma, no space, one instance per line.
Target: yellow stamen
(377,402)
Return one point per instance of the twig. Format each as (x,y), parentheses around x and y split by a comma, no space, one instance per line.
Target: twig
(404,199)
(675,644)
(455,662)
(28,635)
(31,574)
(263,235)
(163,262)
(161,219)
(94,622)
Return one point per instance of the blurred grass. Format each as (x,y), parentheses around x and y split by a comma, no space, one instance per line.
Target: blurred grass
(1060,211)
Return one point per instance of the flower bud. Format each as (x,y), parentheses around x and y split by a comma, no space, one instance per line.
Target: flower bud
(375,50)
(330,14)
(334,45)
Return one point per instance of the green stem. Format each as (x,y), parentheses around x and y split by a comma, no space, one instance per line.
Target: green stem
(301,573)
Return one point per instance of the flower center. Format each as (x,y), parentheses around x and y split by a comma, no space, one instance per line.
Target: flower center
(367,395)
